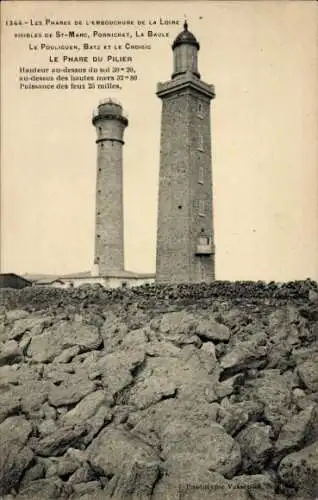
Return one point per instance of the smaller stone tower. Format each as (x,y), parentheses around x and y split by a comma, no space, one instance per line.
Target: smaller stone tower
(110,123)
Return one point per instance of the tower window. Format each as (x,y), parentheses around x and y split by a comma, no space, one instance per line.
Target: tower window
(200,142)
(200,110)
(202,271)
(201,208)
(102,145)
(100,130)
(201,175)
(204,240)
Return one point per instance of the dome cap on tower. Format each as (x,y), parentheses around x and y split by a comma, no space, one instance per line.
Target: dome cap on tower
(185,38)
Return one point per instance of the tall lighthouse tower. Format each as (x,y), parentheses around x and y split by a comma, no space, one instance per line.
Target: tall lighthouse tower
(185,241)
(110,123)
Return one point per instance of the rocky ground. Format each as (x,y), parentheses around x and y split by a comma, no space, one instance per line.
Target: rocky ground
(161,392)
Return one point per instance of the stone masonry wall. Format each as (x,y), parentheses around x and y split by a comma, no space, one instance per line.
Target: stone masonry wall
(173,232)
(109,232)
(179,219)
(202,267)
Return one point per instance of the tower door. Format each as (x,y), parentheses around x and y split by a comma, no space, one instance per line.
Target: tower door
(201,273)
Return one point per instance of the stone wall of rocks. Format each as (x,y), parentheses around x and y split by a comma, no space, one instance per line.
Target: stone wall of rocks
(159,295)
(161,392)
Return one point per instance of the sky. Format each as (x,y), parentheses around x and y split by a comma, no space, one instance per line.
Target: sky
(262,59)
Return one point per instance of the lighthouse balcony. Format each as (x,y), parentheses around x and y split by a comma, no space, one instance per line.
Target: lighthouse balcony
(204,246)
(109,113)
(204,250)
(110,109)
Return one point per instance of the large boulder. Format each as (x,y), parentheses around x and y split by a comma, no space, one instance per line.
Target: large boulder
(61,466)
(36,471)
(84,410)
(9,375)
(283,326)
(10,405)
(116,369)
(193,482)
(71,391)
(16,314)
(33,394)
(308,373)
(189,375)
(20,374)
(256,447)
(297,430)
(255,486)
(274,391)
(189,479)
(88,489)
(135,482)
(163,347)
(113,332)
(209,329)
(299,470)
(31,323)
(100,419)
(59,441)
(244,355)
(15,455)
(10,353)
(160,378)
(83,474)
(208,443)
(44,489)
(235,416)
(226,388)
(68,354)
(113,447)
(63,335)
(179,322)
(153,420)
(179,329)
(135,338)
